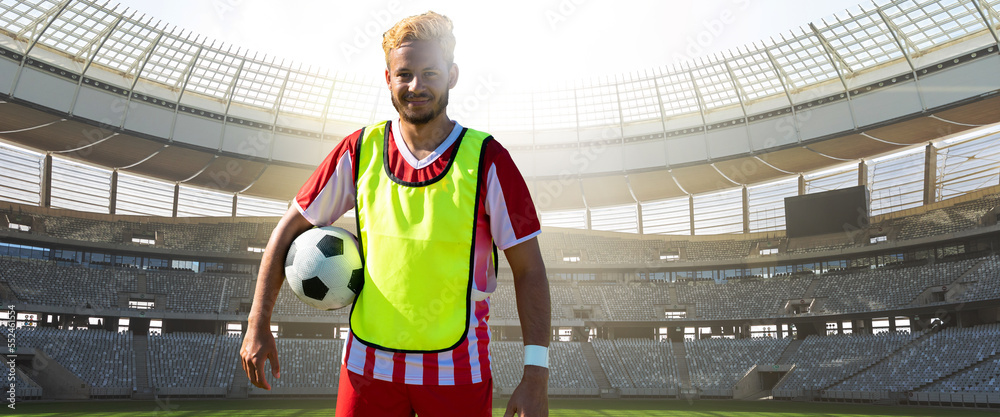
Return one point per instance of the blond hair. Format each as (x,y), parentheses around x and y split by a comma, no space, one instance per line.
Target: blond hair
(429,26)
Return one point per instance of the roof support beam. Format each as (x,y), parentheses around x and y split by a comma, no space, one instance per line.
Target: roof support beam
(45,197)
(51,13)
(277,107)
(90,59)
(987,13)
(783,78)
(281,92)
(102,38)
(136,66)
(329,96)
(113,192)
(830,54)
(863,173)
(54,14)
(897,35)
(930,174)
(621,124)
(177,194)
(829,49)
(895,30)
(638,219)
(663,120)
(231,89)
(579,144)
(638,205)
(740,94)
(691,213)
(701,110)
(189,71)
(736,85)
(746,210)
(180,94)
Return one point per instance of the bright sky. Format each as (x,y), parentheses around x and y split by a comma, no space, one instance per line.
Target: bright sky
(509,41)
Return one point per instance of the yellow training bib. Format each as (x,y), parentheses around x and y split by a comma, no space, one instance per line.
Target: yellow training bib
(417,243)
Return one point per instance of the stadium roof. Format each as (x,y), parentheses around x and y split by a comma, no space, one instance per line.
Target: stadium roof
(125,92)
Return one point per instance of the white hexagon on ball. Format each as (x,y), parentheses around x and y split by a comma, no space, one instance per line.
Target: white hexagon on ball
(323,268)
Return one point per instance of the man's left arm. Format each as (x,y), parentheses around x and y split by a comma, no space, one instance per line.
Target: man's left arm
(531,287)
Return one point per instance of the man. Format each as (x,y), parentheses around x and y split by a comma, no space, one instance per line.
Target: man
(431,199)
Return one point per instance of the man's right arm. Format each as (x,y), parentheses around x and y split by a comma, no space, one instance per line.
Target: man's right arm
(326,195)
(258,343)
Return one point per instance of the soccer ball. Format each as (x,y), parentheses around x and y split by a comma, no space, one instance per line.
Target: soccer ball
(323,268)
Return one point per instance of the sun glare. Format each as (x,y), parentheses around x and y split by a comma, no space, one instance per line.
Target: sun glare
(519,43)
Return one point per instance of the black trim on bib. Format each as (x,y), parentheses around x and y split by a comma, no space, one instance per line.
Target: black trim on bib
(496,261)
(357,216)
(357,221)
(388,172)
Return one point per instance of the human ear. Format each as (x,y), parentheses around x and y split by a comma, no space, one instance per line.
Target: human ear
(453,75)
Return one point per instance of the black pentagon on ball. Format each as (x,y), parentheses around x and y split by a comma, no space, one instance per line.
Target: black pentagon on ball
(291,256)
(357,280)
(331,246)
(314,288)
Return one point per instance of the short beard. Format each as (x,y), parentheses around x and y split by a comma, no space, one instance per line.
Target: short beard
(442,103)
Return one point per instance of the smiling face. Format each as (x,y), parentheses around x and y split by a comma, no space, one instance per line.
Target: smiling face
(419,77)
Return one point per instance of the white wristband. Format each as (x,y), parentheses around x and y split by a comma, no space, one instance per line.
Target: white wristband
(536,355)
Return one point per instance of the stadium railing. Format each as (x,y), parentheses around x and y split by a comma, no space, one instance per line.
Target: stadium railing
(190,392)
(965,399)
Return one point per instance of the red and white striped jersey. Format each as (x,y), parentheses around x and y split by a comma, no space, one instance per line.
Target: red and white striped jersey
(506,217)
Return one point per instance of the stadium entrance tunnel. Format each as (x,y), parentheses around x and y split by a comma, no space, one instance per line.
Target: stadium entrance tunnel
(800,306)
(759,381)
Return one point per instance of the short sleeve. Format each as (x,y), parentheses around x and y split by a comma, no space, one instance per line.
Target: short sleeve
(508,203)
(330,191)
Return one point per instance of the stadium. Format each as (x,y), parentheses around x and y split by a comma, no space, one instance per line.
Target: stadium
(806,221)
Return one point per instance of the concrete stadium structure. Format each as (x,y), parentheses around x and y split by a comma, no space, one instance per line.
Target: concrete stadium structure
(138,159)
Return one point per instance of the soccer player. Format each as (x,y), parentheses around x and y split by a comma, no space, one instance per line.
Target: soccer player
(433,201)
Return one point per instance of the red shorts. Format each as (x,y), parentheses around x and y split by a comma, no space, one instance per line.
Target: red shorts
(359,396)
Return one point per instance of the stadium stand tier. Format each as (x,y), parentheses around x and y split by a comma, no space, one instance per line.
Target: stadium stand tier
(236,235)
(983,377)
(100,358)
(885,288)
(685,256)
(638,363)
(835,292)
(941,361)
(717,364)
(192,360)
(744,298)
(982,283)
(820,361)
(928,360)
(308,363)
(567,365)
(65,285)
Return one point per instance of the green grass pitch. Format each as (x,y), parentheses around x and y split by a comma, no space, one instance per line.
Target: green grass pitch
(559,407)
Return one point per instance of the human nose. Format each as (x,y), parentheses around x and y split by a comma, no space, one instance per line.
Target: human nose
(416,84)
